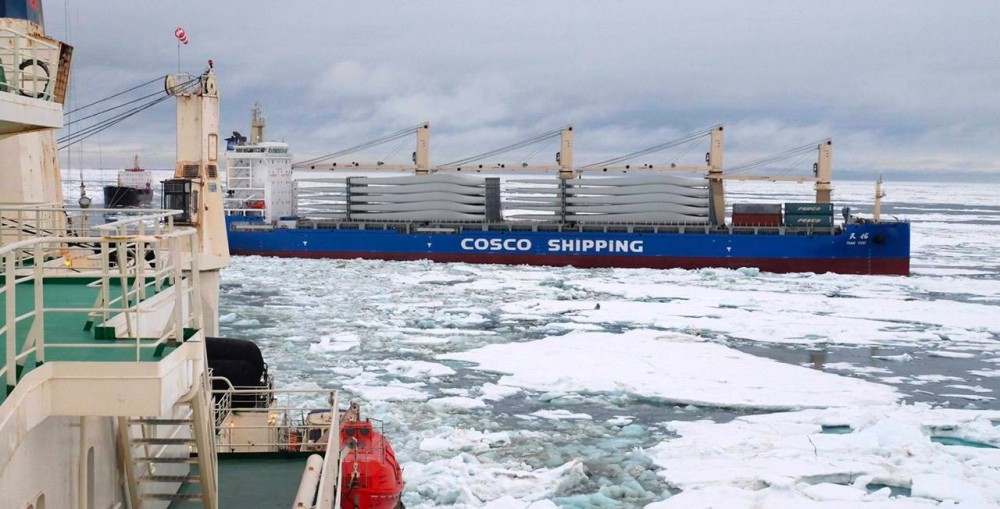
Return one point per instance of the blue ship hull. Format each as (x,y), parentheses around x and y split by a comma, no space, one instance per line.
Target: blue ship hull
(882,248)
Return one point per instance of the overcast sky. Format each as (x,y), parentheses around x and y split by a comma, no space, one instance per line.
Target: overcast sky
(898,85)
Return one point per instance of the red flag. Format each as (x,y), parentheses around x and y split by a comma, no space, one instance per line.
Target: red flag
(181,35)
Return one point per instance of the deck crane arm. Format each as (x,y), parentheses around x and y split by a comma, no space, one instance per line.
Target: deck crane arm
(421,155)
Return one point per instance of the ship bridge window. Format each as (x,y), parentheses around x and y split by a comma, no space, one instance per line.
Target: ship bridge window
(278,150)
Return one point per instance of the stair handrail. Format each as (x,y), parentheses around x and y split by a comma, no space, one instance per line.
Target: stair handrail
(224,404)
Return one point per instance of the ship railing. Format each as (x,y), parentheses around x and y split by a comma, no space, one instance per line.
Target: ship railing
(20,222)
(240,195)
(222,403)
(329,495)
(26,221)
(28,65)
(281,426)
(121,301)
(239,212)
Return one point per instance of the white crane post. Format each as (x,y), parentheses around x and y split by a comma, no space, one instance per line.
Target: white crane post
(257,125)
(423,154)
(823,171)
(879,194)
(565,156)
(198,162)
(715,183)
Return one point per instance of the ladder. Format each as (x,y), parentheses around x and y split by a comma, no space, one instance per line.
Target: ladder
(171,461)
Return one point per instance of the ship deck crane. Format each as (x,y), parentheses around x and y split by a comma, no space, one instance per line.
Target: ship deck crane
(822,169)
(564,158)
(421,156)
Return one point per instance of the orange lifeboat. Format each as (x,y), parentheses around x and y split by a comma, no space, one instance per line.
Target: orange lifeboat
(371,477)
(370,474)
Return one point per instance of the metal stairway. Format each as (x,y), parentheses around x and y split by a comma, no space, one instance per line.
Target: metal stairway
(171,461)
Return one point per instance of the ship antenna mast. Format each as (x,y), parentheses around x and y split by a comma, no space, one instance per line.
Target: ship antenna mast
(257,125)
(879,194)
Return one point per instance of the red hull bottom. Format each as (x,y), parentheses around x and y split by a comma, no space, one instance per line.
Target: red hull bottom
(874,266)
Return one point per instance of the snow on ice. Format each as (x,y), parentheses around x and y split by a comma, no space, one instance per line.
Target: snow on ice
(672,367)
(786,460)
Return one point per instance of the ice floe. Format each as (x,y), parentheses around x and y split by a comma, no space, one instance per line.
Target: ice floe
(988,373)
(336,343)
(464,440)
(457,403)
(417,369)
(951,355)
(387,393)
(560,414)
(786,459)
(465,481)
(672,367)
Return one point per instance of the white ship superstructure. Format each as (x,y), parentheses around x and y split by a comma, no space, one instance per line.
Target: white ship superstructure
(259,172)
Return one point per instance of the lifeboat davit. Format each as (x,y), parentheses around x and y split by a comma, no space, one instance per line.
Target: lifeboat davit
(370,475)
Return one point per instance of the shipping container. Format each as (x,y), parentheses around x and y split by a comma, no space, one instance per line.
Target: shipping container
(756,219)
(809,209)
(803,220)
(756,208)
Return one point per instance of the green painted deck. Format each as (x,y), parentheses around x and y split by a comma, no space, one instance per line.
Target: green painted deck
(262,483)
(67,335)
(254,481)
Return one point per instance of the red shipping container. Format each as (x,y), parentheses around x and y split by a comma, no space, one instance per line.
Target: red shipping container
(756,219)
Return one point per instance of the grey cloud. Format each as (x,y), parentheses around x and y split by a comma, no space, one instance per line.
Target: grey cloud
(898,85)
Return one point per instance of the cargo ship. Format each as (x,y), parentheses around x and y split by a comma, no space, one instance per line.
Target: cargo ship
(133,189)
(601,215)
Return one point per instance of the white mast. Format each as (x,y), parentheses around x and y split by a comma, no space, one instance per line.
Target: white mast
(257,125)
(879,194)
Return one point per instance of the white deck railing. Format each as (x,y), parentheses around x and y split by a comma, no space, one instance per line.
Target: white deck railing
(110,255)
(28,65)
(286,426)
